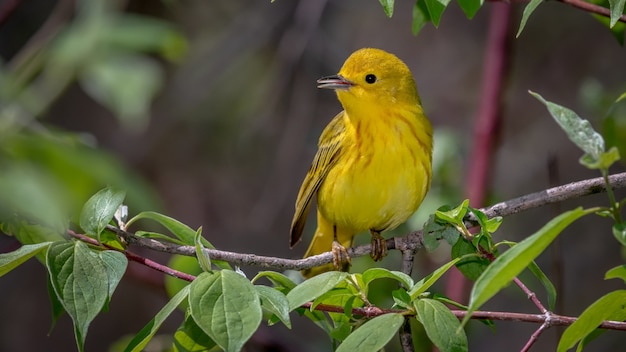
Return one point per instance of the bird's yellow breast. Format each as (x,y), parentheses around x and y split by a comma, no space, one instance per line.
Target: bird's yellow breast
(383,171)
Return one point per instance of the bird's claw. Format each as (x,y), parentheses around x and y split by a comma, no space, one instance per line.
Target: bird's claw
(379,246)
(341,259)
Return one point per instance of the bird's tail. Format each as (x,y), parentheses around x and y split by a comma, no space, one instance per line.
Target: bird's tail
(323,241)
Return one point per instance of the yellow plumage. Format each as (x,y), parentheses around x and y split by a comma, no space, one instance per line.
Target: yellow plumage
(373,164)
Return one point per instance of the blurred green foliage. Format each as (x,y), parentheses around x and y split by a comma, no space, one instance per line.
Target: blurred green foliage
(46,174)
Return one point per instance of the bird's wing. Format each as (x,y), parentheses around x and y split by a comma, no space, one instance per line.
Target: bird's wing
(329,149)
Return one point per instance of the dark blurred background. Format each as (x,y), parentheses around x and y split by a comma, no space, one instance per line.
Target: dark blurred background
(234,124)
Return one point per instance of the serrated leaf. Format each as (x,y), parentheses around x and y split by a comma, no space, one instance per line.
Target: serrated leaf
(507,266)
(441,326)
(11,260)
(619,231)
(190,338)
(313,288)
(420,17)
(388,7)
(547,284)
(80,279)
(618,272)
(100,209)
(528,10)
(425,283)
(226,306)
(617,9)
(147,332)
(274,302)
(470,7)
(380,273)
(588,321)
(436,9)
(373,335)
(579,131)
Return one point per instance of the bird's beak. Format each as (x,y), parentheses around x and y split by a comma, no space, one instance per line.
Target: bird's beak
(334,82)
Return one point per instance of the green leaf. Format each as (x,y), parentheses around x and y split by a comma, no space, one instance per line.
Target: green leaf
(528,10)
(142,33)
(470,7)
(226,306)
(55,304)
(401,298)
(373,335)
(388,7)
(99,210)
(203,257)
(115,264)
(619,231)
(124,83)
(82,281)
(147,332)
(420,17)
(455,215)
(183,232)
(507,266)
(618,272)
(274,302)
(617,9)
(11,260)
(472,265)
(603,162)
(442,327)
(190,338)
(281,282)
(436,9)
(380,273)
(159,237)
(314,287)
(547,284)
(425,283)
(578,130)
(605,307)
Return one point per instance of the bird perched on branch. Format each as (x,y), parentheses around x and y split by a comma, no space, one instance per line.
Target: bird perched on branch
(373,165)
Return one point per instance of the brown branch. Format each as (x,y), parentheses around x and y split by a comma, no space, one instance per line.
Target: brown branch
(411,241)
(547,319)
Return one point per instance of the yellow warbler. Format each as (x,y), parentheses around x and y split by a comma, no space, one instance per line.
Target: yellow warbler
(373,164)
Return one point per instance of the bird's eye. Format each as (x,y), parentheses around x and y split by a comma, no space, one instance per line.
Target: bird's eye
(370,78)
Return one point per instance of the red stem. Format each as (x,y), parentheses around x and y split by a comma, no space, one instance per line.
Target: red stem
(487,123)
(135,257)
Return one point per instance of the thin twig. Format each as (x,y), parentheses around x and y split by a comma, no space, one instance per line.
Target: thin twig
(535,336)
(592,8)
(136,258)
(547,319)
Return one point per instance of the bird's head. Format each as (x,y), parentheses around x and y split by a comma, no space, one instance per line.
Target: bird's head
(372,77)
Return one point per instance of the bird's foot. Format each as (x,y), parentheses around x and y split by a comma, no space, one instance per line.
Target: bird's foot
(341,259)
(379,246)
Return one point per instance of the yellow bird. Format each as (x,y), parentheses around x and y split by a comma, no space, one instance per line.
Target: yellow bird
(374,159)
